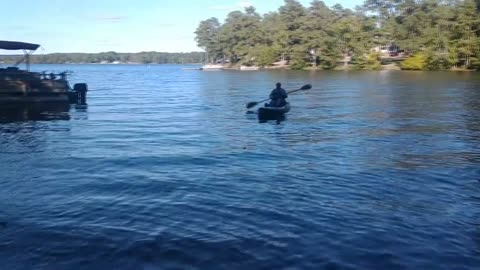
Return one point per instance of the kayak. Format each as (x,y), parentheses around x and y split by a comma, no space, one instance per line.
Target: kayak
(273,113)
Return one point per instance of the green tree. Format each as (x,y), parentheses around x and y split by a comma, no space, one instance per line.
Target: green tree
(466,31)
(292,17)
(240,34)
(206,37)
(320,35)
(439,33)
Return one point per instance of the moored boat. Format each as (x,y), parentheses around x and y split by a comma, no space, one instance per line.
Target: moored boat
(212,67)
(273,113)
(249,68)
(19,86)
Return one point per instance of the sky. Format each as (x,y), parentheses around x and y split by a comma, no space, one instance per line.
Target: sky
(120,25)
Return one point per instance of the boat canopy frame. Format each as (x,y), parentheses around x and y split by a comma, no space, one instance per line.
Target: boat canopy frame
(27,48)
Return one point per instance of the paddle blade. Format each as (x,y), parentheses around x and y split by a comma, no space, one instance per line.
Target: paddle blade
(306,87)
(251,104)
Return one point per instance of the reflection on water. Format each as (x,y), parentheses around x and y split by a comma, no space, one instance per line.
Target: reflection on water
(34,112)
(277,121)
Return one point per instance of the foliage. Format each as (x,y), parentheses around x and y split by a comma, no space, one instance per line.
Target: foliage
(265,55)
(437,62)
(298,62)
(367,61)
(475,63)
(207,36)
(415,62)
(441,34)
(327,60)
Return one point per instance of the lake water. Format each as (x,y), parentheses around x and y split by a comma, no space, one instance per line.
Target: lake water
(165,170)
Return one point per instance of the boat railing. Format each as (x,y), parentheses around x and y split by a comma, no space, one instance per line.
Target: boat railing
(16,79)
(44,75)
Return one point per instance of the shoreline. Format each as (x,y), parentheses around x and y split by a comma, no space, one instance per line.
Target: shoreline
(388,67)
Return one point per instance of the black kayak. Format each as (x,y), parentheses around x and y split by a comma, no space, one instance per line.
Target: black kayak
(273,113)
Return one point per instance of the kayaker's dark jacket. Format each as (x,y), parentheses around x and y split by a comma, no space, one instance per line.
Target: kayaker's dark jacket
(278,96)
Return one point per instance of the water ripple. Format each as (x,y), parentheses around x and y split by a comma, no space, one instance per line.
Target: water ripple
(164,170)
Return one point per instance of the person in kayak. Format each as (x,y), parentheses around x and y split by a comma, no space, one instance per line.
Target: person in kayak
(278,96)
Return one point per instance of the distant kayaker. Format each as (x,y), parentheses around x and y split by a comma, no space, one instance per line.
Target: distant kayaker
(278,96)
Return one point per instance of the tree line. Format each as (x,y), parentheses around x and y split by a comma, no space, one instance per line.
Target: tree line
(110,57)
(430,34)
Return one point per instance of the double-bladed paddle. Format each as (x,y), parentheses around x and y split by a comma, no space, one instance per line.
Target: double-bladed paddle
(255,103)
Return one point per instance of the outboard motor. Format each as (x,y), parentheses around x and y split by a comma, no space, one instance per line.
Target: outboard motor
(81,92)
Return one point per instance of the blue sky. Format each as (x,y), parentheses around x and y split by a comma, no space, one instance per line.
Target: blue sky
(119,25)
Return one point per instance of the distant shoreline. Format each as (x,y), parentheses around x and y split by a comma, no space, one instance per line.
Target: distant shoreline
(388,67)
(158,58)
(109,58)
(80,63)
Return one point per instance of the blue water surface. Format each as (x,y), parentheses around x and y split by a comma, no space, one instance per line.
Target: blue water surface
(166,170)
